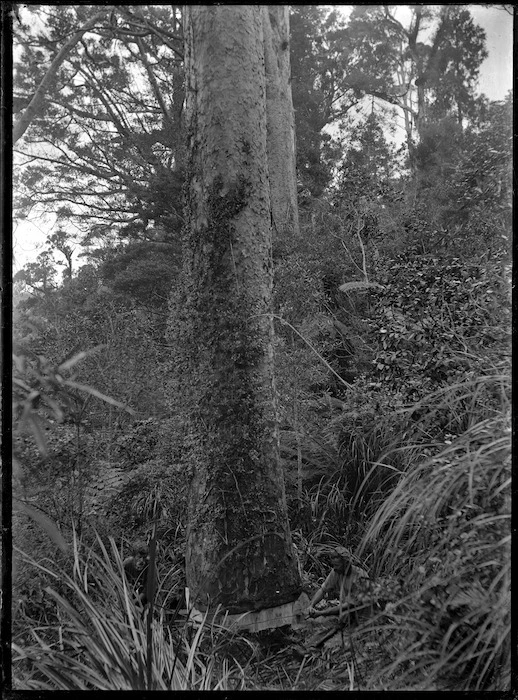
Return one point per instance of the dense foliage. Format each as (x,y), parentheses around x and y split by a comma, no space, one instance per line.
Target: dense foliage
(392,313)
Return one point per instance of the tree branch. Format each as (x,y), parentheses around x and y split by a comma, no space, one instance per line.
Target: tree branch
(394,22)
(35,106)
(153,82)
(160,33)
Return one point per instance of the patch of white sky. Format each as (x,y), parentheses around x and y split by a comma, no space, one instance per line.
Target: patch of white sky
(495,81)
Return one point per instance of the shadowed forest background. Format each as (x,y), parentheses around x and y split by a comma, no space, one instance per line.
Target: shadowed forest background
(392,322)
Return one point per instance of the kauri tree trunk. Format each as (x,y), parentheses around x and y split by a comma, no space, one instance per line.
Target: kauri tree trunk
(239,551)
(280,134)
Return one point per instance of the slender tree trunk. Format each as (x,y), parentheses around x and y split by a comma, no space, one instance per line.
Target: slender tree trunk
(421,110)
(239,551)
(407,115)
(280,120)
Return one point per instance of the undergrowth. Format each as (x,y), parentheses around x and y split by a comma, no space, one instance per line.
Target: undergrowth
(440,532)
(407,463)
(103,639)
(444,533)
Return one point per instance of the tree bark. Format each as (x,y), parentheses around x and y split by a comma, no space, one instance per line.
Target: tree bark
(280,120)
(239,551)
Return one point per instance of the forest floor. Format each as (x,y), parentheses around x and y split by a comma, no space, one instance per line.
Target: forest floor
(320,655)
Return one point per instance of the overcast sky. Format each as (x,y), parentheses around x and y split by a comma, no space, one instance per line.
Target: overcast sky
(496,73)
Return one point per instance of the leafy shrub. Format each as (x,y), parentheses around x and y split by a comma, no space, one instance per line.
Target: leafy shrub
(435,317)
(152,492)
(138,443)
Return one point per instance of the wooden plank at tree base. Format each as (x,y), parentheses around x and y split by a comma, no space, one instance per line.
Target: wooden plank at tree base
(256,621)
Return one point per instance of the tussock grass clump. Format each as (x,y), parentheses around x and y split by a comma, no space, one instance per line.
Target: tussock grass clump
(444,532)
(384,436)
(107,641)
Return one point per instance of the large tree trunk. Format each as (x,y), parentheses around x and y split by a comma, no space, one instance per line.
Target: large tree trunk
(239,551)
(280,120)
